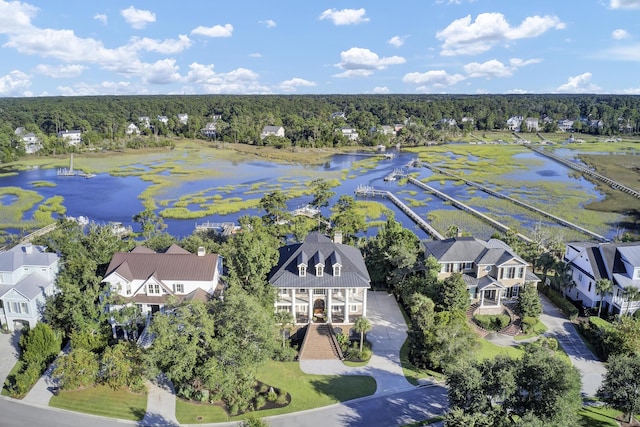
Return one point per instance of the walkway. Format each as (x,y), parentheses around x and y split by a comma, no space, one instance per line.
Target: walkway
(9,353)
(592,371)
(388,333)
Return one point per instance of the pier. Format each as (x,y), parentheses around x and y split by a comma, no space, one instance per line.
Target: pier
(224,228)
(500,226)
(585,170)
(518,202)
(368,191)
(44,230)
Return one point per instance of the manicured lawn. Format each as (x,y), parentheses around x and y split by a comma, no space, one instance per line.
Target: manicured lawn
(591,416)
(102,400)
(16,368)
(413,374)
(307,391)
(488,350)
(538,329)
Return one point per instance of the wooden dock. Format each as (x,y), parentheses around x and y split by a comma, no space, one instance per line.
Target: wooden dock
(585,170)
(368,191)
(44,230)
(224,228)
(494,193)
(500,226)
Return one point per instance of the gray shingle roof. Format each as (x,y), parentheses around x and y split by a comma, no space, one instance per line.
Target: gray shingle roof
(26,255)
(319,248)
(470,249)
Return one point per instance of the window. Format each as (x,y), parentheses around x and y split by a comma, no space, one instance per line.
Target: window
(178,288)
(520,272)
(511,273)
(336,269)
(353,308)
(128,289)
(579,277)
(153,289)
(319,270)
(302,270)
(302,291)
(24,308)
(468,265)
(319,291)
(284,291)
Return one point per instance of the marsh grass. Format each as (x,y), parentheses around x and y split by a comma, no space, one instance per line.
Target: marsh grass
(441,219)
(38,184)
(12,214)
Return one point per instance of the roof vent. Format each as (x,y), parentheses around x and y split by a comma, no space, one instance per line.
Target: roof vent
(201,251)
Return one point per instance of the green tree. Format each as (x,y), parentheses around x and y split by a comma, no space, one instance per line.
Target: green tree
(322,193)
(452,294)
(603,287)
(630,293)
(122,366)
(77,369)
(529,304)
(362,326)
(151,223)
(347,218)
(275,206)
(285,320)
(39,345)
(621,386)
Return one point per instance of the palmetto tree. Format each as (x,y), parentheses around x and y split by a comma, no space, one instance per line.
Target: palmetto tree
(630,293)
(362,326)
(603,287)
(563,277)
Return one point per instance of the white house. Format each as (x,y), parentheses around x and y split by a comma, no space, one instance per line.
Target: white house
(565,125)
(321,280)
(183,118)
(163,119)
(31,143)
(132,129)
(491,270)
(618,262)
(272,131)
(72,137)
(514,122)
(144,121)
(209,130)
(147,279)
(350,133)
(532,124)
(387,130)
(27,278)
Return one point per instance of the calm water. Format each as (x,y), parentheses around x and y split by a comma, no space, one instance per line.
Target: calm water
(107,198)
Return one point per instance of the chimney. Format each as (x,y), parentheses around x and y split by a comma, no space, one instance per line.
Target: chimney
(201,251)
(28,248)
(337,237)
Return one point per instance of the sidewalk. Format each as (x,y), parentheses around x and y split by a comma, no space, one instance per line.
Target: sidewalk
(161,403)
(387,335)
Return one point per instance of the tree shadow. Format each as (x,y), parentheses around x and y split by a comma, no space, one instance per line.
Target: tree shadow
(150,419)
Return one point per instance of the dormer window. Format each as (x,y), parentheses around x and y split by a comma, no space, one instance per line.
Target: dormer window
(302,270)
(153,289)
(337,268)
(319,270)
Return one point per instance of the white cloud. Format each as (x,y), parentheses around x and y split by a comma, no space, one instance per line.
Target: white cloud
(239,81)
(215,31)
(255,55)
(396,41)
(631,91)
(619,34)
(579,84)
(434,78)
(621,53)
(464,37)
(517,91)
(16,83)
(60,71)
(380,90)
(345,16)
(138,18)
(359,62)
(292,84)
(104,88)
(624,4)
(101,17)
(270,23)
(496,69)
(167,46)
(164,71)
(15,16)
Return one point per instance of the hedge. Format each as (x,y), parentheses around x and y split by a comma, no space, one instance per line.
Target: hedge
(561,302)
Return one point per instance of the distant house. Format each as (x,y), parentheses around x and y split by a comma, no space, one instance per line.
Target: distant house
(27,278)
(32,143)
(272,131)
(339,115)
(491,270)
(72,137)
(470,120)
(147,279)
(163,119)
(617,262)
(597,124)
(183,118)
(387,130)
(350,133)
(209,130)
(145,121)
(321,280)
(565,125)
(132,129)
(531,124)
(447,123)
(514,122)
(398,127)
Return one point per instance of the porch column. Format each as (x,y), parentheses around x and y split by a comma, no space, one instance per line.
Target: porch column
(499,291)
(346,305)
(328,307)
(482,298)
(364,302)
(293,304)
(310,305)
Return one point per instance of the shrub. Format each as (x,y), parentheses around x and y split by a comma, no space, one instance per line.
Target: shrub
(528,323)
(260,401)
(492,322)
(285,354)
(561,302)
(272,396)
(282,397)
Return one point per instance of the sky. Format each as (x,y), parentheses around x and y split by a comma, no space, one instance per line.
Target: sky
(79,47)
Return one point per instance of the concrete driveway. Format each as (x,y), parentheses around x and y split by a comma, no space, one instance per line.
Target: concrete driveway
(9,353)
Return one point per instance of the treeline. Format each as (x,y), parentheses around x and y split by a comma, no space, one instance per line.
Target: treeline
(307,119)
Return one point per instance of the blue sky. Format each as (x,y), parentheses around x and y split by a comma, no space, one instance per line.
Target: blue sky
(79,47)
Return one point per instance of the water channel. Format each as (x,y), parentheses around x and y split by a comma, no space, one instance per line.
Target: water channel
(106,198)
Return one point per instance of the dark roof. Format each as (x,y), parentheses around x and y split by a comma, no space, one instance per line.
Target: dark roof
(470,249)
(318,248)
(175,264)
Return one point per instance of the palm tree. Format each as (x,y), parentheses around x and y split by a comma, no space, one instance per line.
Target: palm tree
(630,293)
(546,262)
(362,326)
(285,320)
(564,277)
(603,287)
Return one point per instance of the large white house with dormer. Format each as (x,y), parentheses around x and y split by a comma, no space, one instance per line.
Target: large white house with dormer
(27,278)
(618,262)
(321,280)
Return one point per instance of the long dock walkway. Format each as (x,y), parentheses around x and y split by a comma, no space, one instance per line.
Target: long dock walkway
(44,230)
(368,191)
(585,170)
(500,226)
(517,202)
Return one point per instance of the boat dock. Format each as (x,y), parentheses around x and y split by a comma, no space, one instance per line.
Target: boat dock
(585,170)
(306,210)
(500,226)
(368,191)
(224,228)
(517,202)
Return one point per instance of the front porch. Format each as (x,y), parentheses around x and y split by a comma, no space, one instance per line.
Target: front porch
(342,306)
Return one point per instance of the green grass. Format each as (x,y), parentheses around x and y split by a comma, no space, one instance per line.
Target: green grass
(104,401)
(16,368)
(488,350)
(38,184)
(538,329)
(307,391)
(413,374)
(598,416)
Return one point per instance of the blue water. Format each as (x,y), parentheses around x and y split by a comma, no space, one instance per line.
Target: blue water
(107,198)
